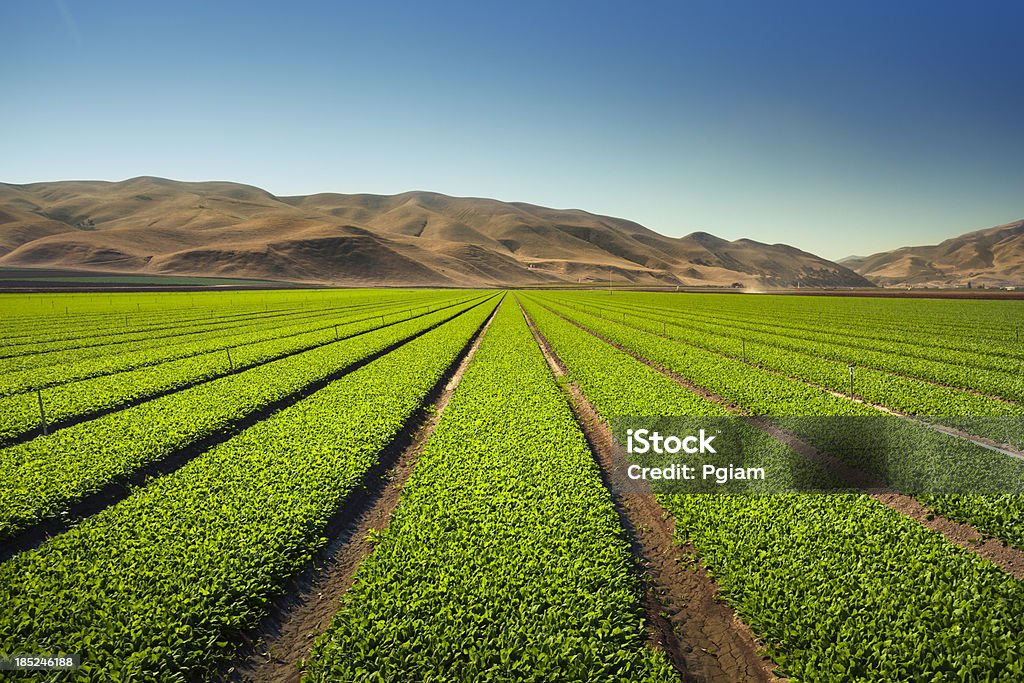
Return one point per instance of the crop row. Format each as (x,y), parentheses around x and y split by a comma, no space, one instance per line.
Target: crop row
(505,559)
(935,337)
(904,394)
(994,375)
(844,589)
(760,391)
(44,475)
(916,459)
(38,326)
(160,586)
(838,586)
(596,368)
(163,313)
(127,334)
(27,372)
(20,414)
(38,334)
(980,326)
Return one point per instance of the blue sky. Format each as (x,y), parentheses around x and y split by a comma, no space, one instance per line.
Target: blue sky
(836,127)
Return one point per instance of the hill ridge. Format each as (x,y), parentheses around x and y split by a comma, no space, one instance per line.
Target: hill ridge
(992,257)
(153,225)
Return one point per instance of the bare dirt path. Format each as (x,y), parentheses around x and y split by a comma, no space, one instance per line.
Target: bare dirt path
(702,636)
(1007,558)
(311,600)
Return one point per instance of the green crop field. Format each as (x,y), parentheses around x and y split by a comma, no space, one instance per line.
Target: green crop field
(431,485)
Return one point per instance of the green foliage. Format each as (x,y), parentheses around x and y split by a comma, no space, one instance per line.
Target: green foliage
(159,586)
(785,393)
(839,587)
(44,475)
(505,560)
(111,369)
(843,589)
(890,373)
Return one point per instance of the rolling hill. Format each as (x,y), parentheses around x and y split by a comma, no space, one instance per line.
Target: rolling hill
(157,226)
(992,257)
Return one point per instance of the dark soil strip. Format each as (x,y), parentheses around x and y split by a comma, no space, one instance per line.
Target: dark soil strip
(1007,558)
(310,601)
(700,634)
(27,436)
(117,490)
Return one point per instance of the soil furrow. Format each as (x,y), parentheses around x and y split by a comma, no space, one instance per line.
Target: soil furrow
(310,601)
(702,636)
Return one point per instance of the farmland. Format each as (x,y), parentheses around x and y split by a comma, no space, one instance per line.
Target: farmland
(399,485)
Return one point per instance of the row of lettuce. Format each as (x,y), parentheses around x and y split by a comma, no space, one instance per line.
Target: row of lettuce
(502,562)
(56,337)
(505,559)
(839,587)
(159,586)
(886,370)
(141,377)
(45,475)
(980,486)
(113,340)
(50,322)
(112,352)
(983,327)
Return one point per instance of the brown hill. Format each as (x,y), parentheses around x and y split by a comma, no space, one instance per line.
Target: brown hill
(153,225)
(991,257)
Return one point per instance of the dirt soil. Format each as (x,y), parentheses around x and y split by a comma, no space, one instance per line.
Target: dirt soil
(702,636)
(1009,559)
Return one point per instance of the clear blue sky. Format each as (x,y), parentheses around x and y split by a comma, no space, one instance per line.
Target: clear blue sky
(836,127)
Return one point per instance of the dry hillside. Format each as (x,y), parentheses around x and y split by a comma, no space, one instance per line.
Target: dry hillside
(158,226)
(991,257)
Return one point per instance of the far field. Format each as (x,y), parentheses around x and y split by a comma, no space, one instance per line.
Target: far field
(58,279)
(420,485)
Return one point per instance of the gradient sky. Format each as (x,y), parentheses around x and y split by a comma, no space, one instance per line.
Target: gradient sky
(839,128)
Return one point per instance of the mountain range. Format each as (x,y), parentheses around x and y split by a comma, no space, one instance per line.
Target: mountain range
(993,257)
(156,226)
